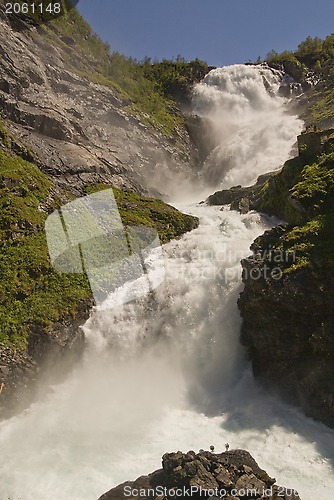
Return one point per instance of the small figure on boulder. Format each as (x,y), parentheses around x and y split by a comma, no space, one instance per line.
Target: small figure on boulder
(212,448)
(227,446)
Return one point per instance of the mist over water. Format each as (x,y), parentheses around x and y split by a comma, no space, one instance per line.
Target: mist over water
(253,131)
(166,372)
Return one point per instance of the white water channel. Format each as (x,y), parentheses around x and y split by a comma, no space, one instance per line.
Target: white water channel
(249,123)
(163,373)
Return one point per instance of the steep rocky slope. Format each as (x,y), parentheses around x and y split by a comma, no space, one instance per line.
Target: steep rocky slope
(312,67)
(66,130)
(233,474)
(286,304)
(289,288)
(80,124)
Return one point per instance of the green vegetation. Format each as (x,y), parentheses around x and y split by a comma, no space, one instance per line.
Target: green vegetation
(316,55)
(174,78)
(312,244)
(33,296)
(303,195)
(137,210)
(315,189)
(313,53)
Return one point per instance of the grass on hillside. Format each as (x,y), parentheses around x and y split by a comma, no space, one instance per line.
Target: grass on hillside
(141,87)
(317,56)
(31,292)
(33,295)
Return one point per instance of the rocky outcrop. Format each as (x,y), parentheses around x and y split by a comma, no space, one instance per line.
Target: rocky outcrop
(229,475)
(299,78)
(50,355)
(81,131)
(241,198)
(288,326)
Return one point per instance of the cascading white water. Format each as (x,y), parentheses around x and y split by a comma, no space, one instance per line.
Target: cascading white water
(252,129)
(164,373)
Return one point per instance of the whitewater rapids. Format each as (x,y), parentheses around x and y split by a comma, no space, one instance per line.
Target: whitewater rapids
(162,374)
(166,372)
(249,123)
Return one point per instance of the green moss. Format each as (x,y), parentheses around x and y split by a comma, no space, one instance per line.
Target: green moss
(322,110)
(32,294)
(316,186)
(5,137)
(312,244)
(137,210)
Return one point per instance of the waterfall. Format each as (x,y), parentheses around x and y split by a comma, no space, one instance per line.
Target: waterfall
(249,122)
(166,371)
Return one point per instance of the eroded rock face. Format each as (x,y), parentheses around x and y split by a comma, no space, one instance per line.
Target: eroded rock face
(229,475)
(81,131)
(49,357)
(288,330)
(241,199)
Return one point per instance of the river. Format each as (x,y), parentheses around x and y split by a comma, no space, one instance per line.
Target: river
(166,372)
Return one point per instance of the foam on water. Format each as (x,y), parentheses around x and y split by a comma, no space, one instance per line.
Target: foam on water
(161,374)
(166,372)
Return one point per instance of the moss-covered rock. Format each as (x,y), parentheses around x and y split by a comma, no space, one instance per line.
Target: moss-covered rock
(286,305)
(204,475)
(32,294)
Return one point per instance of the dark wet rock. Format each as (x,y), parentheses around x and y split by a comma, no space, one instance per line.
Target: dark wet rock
(201,133)
(227,475)
(286,304)
(242,199)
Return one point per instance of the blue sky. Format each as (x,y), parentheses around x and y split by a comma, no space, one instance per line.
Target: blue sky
(218,31)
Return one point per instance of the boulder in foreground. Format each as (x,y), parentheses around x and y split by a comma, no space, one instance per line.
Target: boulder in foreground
(232,475)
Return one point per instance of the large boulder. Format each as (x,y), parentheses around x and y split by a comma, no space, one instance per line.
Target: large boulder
(230,475)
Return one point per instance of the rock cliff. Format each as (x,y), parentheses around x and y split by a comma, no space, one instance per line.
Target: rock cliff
(229,475)
(286,304)
(68,129)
